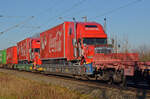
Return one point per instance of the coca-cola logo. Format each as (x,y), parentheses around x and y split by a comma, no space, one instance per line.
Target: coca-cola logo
(43,42)
(55,42)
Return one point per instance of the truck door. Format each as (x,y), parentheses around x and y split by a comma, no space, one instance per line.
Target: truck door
(71,44)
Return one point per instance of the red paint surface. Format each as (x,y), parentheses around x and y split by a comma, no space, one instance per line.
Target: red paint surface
(23,50)
(12,55)
(57,42)
(52,43)
(26,50)
(125,61)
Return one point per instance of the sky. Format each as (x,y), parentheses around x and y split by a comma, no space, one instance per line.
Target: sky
(126,19)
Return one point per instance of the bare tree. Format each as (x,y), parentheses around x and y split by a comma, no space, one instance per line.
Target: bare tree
(144,52)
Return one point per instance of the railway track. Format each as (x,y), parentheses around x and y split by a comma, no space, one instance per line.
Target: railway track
(102,84)
(98,84)
(132,92)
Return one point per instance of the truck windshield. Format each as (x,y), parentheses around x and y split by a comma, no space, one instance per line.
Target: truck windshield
(37,50)
(95,41)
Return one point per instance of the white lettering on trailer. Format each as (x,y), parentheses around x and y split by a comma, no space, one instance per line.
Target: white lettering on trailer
(22,49)
(55,42)
(43,42)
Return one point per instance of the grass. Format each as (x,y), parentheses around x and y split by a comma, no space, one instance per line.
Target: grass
(12,87)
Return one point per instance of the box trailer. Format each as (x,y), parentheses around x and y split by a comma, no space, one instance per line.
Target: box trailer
(2,56)
(12,55)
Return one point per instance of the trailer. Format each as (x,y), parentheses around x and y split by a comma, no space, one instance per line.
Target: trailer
(66,41)
(11,56)
(2,58)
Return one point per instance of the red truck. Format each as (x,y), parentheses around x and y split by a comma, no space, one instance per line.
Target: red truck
(28,51)
(84,44)
(79,49)
(11,56)
(69,41)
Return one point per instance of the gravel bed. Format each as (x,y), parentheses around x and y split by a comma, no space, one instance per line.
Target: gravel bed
(99,93)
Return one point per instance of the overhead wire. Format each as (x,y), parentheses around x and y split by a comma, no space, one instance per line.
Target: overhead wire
(17,25)
(21,23)
(57,16)
(74,6)
(47,9)
(41,13)
(116,9)
(66,11)
(63,13)
(4,16)
(14,26)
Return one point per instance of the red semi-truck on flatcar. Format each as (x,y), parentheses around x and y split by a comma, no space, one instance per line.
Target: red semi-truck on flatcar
(29,51)
(78,49)
(83,46)
(69,41)
(11,56)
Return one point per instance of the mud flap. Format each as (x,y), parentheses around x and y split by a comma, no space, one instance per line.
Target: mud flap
(89,69)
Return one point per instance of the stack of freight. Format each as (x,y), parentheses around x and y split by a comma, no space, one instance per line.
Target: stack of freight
(78,49)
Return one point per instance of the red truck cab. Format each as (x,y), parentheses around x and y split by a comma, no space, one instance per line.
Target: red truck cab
(29,51)
(93,39)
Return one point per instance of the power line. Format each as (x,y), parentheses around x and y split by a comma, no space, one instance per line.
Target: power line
(4,16)
(64,12)
(68,10)
(17,25)
(116,9)
(37,15)
(40,13)
(74,6)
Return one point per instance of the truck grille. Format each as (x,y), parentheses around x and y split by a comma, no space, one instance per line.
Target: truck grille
(103,50)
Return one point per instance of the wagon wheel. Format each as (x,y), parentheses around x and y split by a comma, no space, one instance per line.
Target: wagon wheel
(110,82)
(124,82)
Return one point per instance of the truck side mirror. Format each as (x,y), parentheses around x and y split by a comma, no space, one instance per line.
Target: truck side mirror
(79,40)
(84,45)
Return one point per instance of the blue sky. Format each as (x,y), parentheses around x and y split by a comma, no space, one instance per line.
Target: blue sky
(131,22)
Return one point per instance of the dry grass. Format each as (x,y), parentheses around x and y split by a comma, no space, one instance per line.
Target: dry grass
(12,87)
